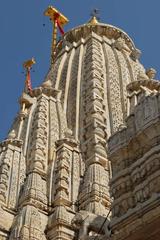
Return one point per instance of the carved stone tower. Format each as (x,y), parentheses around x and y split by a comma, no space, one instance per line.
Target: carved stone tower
(54,167)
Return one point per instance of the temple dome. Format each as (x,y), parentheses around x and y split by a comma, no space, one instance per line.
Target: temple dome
(100,29)
(99,52)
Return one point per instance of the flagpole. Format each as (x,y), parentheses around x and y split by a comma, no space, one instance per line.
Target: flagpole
(54,41)
(27,79)
(58,20)
(27,89)
(28,65)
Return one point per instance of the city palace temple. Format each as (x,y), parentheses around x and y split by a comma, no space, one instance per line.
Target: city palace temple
(82,158)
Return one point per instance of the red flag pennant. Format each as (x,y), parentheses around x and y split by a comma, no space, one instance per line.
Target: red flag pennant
(59,26)
(56,17)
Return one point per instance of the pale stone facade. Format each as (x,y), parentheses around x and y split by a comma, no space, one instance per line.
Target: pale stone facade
(91,129)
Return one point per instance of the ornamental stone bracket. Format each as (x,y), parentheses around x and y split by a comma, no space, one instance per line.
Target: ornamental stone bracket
(14,142)
(138,90)
(27,99)
(47,89)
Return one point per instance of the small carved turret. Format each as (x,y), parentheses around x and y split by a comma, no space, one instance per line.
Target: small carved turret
(151,73)
(12,134)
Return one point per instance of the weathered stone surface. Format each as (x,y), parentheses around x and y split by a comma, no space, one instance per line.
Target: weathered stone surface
(134,155)
(58,166)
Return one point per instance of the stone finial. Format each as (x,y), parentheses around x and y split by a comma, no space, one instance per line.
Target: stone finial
(12,134)
(135,54)
(47,84)
(95,16)
(68,133)
(93,21)
(151,73)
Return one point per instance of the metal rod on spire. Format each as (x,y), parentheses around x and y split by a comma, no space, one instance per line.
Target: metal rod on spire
(58,20)
(27,89)
(94,17)
(54,40)
(28,65)
(95,13)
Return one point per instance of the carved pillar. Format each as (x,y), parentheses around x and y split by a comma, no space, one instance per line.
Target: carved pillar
(33,197)
(28,225)
(94,195)
(12,172)
(66,180)
(37,154)
(37,158)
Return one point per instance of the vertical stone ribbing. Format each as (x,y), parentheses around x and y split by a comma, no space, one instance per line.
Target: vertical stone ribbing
(138,69)
(119,69)
(78,93)
(58,76)
(114,89)
(26,140)
(64,191)
(120,82)
(14,188)
(37,155)
(126,76)
(129,66)
(68,79)
(54,133)
(12,169)
(56,69)
(123,80)
(53,72)
(54,129)
(107,84)
(71,101)
(61,119)
(53,172)
(62,81)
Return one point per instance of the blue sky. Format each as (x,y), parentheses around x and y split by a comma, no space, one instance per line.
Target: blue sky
(23,36)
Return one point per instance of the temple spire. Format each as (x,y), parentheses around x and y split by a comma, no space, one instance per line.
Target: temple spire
(58,20)
(93,21)
(94,17)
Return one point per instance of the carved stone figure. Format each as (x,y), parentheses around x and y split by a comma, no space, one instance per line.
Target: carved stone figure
(120,44)
(86,222)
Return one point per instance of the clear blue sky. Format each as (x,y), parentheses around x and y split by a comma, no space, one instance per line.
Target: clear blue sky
(23,36)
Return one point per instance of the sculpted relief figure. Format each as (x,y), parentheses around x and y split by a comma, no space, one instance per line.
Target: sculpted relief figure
(120,44)
(87,222)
